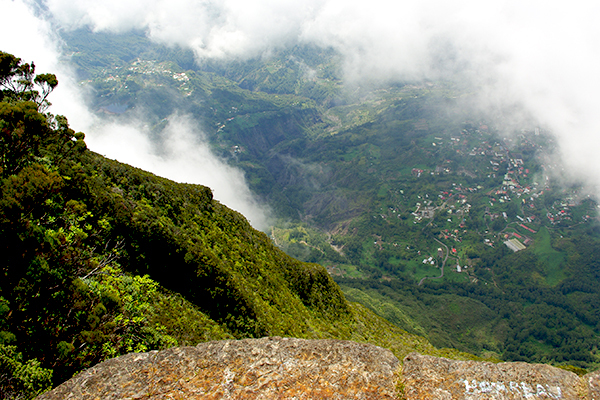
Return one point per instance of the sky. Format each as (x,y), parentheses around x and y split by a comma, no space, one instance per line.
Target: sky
(542,57)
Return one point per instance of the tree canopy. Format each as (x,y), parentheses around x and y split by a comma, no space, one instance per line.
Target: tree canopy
(100,259)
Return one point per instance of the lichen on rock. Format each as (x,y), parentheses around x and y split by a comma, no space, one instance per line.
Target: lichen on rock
(286,368)
(268,368)
(426,377)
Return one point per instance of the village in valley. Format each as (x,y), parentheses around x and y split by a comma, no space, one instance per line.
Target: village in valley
(451,221)
(469,188)
(436,221)
(508,208)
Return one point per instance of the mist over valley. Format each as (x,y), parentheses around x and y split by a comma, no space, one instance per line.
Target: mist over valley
(439,159)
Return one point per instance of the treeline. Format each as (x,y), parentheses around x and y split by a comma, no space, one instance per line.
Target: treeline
(100,259)
(524,318)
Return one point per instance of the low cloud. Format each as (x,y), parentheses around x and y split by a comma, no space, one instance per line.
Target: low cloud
(538,57)
(213,29)
(181,154)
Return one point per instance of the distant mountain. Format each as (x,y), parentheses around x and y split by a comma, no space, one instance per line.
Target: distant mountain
(403,191)
(101,259)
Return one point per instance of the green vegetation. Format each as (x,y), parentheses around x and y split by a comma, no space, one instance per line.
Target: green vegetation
(19,378)
(552,259)
(101,259)
(370,182)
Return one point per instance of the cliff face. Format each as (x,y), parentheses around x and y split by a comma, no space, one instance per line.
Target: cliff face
(269,368)
(426,377)
(282,368)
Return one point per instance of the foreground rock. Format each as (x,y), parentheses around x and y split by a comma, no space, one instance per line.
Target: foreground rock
(592,382)
(270,368)
(276,368)
(426,377)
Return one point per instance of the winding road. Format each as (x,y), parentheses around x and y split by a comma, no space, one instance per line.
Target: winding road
(443,264)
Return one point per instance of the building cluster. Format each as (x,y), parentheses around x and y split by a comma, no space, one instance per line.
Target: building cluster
(451,234)
(511,184)
(563,213)
(424,211)
(429,261)
(514,245)
(146,68)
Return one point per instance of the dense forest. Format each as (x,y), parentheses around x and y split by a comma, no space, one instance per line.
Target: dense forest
(367,178)
(372,181)
(402,194)
(100,259)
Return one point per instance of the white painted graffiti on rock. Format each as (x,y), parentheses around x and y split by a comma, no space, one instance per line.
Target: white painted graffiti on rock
(527,390)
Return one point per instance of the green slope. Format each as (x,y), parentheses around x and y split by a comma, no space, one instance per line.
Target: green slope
(349,165)
(100,259)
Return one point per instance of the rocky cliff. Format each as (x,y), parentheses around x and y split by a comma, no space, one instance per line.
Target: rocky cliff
(283,368)
(426,377)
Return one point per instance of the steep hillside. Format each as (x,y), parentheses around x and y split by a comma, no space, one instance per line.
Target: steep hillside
(101,259)
(403,191)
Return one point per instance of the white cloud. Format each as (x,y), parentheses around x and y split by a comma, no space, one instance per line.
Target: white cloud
(541,55)
(184,156)
(181,154)
(213,29)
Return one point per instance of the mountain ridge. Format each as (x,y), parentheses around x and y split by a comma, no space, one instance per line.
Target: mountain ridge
(102,259)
